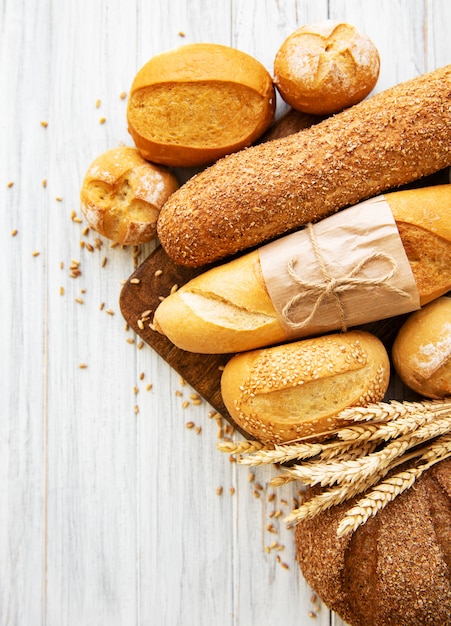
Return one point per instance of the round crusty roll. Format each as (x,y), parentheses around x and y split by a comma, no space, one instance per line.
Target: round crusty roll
(422,350)
(295,390)
(394,570)
(196,103)
(122,194)
(325,67)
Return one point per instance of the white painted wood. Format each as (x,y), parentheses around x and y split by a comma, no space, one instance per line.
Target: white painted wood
(108,509)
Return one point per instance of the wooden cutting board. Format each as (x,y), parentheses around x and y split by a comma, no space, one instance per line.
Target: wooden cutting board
(153,279)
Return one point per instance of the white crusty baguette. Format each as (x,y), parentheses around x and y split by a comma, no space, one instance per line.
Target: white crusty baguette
(257,194)
(295,390)
(228,309)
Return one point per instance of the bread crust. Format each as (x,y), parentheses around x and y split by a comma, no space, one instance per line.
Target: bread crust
(395,570)
(287,392)
(257,194)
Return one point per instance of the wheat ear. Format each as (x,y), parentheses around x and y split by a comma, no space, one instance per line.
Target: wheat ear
(393,486)
(330,497)
(350,471)
(390,430)
(386,411)
(239,447)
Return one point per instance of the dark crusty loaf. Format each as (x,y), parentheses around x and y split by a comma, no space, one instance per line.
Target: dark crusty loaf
(395,570)
(259,193)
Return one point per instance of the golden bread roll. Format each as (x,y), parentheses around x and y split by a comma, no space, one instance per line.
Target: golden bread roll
(394,570)
(325,67)
(295,390)
(422,350)
(257,194)
(228,309)
(122,194)
(191,105)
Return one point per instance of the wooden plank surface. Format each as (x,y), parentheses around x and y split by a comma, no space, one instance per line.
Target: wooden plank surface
(109,512)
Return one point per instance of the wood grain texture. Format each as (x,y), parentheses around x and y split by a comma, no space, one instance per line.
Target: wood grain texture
(109,512)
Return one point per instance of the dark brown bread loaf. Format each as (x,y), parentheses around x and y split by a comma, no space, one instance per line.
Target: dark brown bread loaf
(395,570)
(257,194)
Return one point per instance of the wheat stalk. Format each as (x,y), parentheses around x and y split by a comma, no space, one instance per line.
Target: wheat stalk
(386,411)
(388,420)
(357,457)
(393,486)
(328,498)
(346,451)
(331,497)
(389,430)
(350,471)
(283,454)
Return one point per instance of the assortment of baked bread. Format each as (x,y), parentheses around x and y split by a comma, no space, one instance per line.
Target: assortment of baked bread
(212,108)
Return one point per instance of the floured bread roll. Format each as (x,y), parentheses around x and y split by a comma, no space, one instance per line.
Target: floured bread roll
(325,67)
(422,350)
(122,194)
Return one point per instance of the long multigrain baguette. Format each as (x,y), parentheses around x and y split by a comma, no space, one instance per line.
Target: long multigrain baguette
(257,194)
(228,309)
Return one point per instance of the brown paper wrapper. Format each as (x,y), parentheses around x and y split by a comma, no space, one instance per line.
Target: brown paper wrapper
(346,270)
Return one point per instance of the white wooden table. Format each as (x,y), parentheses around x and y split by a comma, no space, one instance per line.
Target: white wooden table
(109,512)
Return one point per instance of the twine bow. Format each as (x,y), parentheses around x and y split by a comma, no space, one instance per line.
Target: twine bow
(332,286)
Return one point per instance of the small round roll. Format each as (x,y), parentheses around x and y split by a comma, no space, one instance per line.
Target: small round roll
(422,350)
(122,194)
(325,67)
(194,104)
(295,390)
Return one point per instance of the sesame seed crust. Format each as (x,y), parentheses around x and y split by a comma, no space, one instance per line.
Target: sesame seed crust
(295,390)
(259,193)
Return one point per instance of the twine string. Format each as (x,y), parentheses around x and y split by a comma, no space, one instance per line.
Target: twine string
(331,286)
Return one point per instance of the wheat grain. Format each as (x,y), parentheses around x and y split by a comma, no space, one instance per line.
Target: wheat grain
(440,447)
